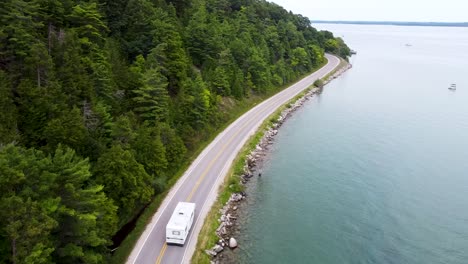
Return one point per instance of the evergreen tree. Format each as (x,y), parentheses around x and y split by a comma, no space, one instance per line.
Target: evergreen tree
(201,36)
(151,153)
(20,28)
(219,82)
(169,53)
(133,87)
(26,204)
(136,28)
(122,130)
(125,181)
(86,217)
(152,98)
(196,107)
(28,228)
(68,129)
(175,148)
(8,127)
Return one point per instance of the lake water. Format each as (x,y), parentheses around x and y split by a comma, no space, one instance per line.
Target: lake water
(374,170)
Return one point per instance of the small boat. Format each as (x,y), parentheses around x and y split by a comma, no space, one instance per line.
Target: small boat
(453,87)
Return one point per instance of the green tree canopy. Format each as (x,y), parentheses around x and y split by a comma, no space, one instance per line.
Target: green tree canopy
(126,181)
(131,89)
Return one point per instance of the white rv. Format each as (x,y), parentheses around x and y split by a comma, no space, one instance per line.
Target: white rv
(179,225)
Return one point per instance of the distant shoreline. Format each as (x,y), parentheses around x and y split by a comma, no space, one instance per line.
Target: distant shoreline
(394,23)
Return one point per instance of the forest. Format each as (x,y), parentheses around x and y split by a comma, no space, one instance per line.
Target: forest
(103,101)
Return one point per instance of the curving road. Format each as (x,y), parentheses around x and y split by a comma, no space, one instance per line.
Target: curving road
(200,182)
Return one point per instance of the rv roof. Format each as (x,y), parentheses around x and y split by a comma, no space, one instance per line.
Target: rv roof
(181,215)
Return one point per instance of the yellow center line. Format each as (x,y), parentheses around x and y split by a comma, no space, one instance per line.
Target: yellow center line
(161,254)
(205,172)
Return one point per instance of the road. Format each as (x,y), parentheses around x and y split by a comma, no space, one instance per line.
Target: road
(201,181)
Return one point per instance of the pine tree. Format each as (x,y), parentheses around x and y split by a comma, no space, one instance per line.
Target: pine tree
(219,82)
(136,27)
(87,218)
(202,39)
(175,148)
(129,88)
(201,104)
(151,153)
(67,129)
(21,27)
(125,181)
(8,127)
(28,228)
(122,130)
(169,53)
(152,98)
(26,204)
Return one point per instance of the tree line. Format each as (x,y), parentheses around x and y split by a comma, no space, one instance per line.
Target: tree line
(102,100)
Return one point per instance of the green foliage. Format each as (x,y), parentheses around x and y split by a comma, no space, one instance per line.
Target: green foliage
(88,22)
(150,151)
(29,239)
(175,148)
(8,110)
(19,27)
(170,53)
(152,98)
(86,217)
(318,83)
(335,45)
(316,54)
(130,89)
(198,104)
(67,129)
(201,36)
(122,130)
(125,180)
(331,45)
(299,58)
(134,27)
(69,220)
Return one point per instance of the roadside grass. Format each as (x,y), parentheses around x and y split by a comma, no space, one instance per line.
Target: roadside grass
(231,184)
(207,237)
(342,64)
(123,251)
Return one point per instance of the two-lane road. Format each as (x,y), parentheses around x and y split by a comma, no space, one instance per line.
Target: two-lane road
(200,182)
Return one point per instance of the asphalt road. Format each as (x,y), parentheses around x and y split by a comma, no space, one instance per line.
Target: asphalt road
(200,182)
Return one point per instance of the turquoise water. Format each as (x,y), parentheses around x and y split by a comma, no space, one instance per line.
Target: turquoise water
(374,170)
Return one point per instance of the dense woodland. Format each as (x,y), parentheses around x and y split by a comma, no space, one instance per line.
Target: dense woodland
(102,100)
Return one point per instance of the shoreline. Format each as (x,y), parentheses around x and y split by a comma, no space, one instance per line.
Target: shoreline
(229,212)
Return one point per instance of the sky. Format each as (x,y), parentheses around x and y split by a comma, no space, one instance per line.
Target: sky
(380,10)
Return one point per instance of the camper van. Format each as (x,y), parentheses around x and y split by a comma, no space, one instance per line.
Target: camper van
(179,225)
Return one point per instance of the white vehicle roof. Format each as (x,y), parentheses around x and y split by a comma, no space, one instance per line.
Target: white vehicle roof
(181,216)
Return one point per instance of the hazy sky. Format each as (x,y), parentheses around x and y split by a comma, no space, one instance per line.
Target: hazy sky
(380,10)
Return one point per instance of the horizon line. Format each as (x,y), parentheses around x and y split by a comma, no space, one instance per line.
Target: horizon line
(388,22)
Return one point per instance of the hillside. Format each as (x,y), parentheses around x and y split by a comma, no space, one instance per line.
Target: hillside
(102,102)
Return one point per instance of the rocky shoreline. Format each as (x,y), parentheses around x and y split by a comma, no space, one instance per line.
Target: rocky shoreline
(229,211)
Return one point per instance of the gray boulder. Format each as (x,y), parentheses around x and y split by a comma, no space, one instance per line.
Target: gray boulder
(218,249)
(232,242)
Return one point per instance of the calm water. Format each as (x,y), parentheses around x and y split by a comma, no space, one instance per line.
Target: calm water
(375,170)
